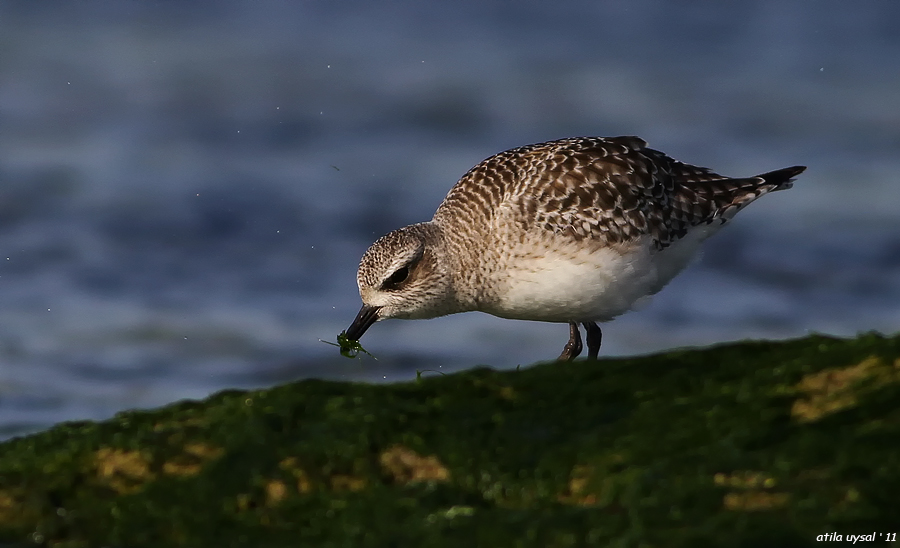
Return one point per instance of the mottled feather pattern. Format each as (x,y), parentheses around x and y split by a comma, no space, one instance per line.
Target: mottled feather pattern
(575,230)
(609,190)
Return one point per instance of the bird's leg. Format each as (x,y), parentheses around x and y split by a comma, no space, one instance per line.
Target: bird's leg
(573,347)
(594,336)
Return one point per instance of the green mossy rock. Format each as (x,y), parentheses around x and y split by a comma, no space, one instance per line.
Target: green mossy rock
(748,444)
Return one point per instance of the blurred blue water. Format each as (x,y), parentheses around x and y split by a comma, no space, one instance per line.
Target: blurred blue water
(186,188)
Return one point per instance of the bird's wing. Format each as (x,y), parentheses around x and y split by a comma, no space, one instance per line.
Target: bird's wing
(609,190)
(616,190)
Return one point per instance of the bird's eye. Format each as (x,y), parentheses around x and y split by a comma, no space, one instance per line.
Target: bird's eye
(397,277)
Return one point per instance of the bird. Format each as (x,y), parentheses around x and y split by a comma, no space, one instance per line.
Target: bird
(574,231)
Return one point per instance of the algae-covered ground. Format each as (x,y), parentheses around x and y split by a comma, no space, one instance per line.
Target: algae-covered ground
(748,444)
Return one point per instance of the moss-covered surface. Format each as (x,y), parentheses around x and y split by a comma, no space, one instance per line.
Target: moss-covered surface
(749,444)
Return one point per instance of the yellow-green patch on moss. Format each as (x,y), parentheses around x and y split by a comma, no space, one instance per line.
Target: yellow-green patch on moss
(123,470)
(406,466)
(835,389)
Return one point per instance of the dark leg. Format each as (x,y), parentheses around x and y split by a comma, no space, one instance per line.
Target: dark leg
(594,336)
(573,347)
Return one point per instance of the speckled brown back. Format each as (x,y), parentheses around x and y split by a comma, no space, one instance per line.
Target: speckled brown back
(609,190)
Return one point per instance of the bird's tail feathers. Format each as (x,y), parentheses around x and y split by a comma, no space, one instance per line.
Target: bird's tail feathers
(782,179)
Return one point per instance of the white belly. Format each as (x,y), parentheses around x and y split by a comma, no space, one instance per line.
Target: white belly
(570,282)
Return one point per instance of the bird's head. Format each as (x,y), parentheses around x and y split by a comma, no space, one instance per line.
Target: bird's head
(404,274)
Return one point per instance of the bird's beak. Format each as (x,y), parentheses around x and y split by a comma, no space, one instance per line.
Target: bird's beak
(366,317)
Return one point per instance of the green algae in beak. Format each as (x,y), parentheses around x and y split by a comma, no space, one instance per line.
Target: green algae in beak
(350,348)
